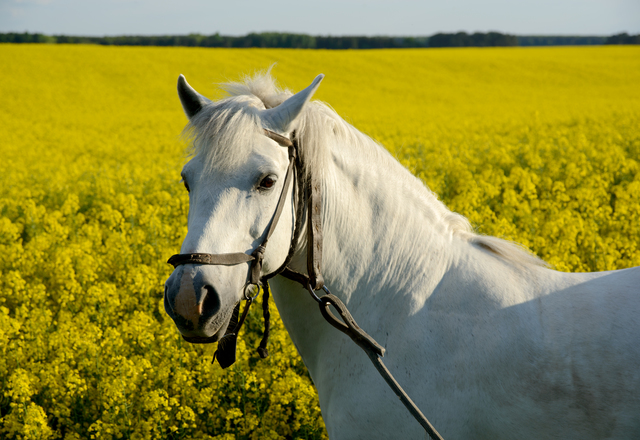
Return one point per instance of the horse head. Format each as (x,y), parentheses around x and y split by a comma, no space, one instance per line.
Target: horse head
(235,179)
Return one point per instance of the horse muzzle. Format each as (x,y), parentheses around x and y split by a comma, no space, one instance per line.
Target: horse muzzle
(194,305)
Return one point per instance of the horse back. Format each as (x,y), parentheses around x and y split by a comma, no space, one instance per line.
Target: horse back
(581,362)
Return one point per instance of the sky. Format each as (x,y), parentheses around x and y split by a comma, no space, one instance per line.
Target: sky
(326,17)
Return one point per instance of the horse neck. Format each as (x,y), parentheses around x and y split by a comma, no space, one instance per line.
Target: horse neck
(383,229)
(389,245)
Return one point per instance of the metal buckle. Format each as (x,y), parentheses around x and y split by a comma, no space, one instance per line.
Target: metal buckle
(313,293)
(244,291)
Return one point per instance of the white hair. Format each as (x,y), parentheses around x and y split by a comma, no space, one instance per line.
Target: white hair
(223,130)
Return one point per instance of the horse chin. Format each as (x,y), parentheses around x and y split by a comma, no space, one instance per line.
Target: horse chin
(201,338)
(205,339)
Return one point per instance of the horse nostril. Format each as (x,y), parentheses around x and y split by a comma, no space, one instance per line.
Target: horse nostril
(210,302)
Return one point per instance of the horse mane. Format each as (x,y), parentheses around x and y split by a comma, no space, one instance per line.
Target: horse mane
(231,123)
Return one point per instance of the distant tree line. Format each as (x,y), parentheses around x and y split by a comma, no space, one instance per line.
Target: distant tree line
(266,39)
(303,41)
(26,37)
(478,39)
(623,39)
(550,40)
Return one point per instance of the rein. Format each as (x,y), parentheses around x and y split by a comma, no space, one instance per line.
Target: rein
(312,281)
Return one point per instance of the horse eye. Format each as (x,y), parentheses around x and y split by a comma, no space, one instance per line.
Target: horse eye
(267,182)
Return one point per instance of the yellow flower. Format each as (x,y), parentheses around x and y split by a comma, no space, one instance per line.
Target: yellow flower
(91,207)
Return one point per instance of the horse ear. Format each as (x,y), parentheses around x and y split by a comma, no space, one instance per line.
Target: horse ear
(192,101)
(281,117)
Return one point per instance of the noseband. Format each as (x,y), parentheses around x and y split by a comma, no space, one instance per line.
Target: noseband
(226,352)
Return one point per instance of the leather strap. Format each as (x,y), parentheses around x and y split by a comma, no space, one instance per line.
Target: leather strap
(256,267)
(314,234)
(296,276)
(283,196)
(226,352)
(213,259)
(284,141)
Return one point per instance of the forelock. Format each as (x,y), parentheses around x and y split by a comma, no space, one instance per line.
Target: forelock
(221,133)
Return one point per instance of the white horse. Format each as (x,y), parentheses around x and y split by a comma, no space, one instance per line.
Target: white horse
(488,341)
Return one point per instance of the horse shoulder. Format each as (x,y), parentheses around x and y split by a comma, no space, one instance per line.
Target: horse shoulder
(579,362)
(536,341)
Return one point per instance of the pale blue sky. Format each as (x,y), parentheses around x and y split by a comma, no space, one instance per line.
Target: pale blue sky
(328,17)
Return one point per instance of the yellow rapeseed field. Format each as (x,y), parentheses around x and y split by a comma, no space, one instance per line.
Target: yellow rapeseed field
(539,145)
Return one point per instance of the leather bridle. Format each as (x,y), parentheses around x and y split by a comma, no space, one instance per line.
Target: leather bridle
(309,191)
(257,256)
